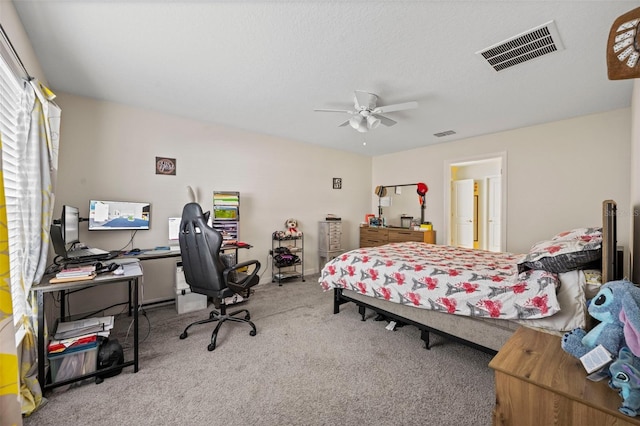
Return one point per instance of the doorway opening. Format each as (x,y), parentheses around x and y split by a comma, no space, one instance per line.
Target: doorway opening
(475,202)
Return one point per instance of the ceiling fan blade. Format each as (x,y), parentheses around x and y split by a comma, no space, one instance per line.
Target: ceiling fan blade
(384,120)
(346,123)
(335,110)
(396,107)
(365,99)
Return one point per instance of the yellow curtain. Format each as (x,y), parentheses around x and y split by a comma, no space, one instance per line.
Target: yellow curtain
(9,384)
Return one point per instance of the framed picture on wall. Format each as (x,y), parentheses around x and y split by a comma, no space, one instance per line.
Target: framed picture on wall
(165,166)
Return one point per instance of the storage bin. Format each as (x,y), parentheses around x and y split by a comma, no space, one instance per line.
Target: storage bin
(190,302)
(185,300)
(73,364)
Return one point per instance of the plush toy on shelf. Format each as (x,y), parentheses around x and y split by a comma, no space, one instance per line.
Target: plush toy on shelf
(625,378)
(617,307)
(292,228)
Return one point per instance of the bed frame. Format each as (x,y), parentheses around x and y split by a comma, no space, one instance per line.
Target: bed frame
(487,335)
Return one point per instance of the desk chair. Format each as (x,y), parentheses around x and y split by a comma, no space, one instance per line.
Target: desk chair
(205,272)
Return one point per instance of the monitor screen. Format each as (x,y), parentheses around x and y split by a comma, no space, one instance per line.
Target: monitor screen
(113,215)
(70,224)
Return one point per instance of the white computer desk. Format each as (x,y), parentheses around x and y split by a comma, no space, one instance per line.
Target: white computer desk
(132,275)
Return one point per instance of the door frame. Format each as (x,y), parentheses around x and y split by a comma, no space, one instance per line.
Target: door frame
(502,156)
(486,224)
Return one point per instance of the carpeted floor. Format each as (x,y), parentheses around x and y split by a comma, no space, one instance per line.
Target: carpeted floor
(306,366)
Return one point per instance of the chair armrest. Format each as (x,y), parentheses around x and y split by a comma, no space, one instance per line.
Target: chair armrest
(247,263)
(247,281)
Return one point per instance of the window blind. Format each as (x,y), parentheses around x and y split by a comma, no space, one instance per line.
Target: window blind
(11,88)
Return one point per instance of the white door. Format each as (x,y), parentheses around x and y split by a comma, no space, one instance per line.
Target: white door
(494,208)
(462,216)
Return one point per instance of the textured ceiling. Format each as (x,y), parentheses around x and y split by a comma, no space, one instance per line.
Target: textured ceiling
(264,66)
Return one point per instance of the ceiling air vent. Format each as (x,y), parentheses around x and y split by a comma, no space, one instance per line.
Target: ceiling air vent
(445,133)
(529,45)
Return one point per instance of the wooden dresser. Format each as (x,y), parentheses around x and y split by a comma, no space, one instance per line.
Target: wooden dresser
(373,237)
(537,383)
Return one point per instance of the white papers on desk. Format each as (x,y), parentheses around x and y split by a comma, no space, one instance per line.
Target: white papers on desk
(69,329)
(131,269)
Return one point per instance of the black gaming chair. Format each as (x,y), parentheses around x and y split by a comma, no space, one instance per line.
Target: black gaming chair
(206,273)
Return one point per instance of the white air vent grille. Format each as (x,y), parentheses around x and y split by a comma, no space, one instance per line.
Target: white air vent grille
(445,133)
(529,45)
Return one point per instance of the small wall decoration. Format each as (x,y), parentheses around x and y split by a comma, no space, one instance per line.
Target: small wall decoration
(165,166)
(337,183)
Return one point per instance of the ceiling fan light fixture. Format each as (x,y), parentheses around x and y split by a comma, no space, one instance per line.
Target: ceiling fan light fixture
(372,122)
(365,115)
(355,121)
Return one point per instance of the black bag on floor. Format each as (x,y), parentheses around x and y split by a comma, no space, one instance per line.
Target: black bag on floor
(110,354)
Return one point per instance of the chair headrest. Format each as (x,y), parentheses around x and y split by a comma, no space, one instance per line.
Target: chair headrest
(193,211)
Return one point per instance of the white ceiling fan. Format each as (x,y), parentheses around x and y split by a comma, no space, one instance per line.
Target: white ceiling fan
(366,115)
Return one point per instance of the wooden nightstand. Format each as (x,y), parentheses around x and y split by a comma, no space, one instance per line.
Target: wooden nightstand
(537,383)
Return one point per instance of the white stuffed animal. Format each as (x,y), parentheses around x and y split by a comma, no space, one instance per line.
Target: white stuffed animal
(292,228)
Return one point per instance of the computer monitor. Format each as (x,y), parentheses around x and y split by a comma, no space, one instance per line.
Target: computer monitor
(114,215)
(70,224)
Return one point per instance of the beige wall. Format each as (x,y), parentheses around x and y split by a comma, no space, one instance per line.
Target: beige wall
(558,174)
(15,31)
(107,151)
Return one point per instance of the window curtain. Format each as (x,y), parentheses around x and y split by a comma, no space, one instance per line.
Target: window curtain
(9,382)
(39,164)
(32,162)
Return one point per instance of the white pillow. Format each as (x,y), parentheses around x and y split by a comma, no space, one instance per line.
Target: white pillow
(573,307)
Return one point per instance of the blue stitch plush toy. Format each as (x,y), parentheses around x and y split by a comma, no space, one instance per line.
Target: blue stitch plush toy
(616,306)
(625,378)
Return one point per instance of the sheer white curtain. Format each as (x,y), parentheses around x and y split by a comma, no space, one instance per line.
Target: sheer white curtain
(29,129)
(12,308)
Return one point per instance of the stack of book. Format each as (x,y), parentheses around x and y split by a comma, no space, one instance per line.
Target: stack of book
(76,273)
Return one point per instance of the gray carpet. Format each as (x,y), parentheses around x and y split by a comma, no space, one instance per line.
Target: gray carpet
(306,366)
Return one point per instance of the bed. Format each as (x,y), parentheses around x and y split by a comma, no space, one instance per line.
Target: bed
(477,297)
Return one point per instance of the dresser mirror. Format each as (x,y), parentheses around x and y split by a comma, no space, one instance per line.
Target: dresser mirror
(400,205)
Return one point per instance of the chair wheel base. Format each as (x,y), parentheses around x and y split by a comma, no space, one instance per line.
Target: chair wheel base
(252,333)
(183,335)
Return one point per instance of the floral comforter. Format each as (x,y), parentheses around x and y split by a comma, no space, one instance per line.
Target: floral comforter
(449,279)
